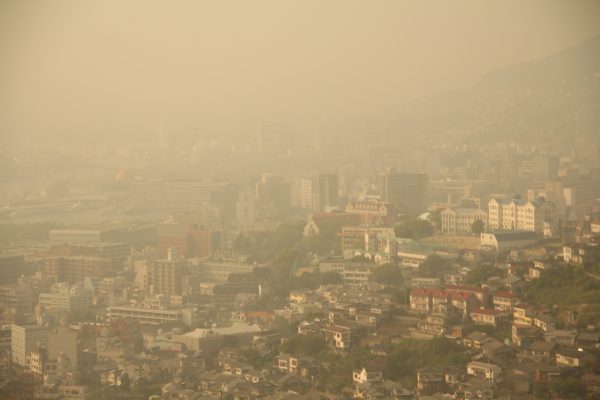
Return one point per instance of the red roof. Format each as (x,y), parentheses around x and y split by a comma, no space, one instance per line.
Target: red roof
(422,292)
(438,293)
(460,295)
(463,288)
(322,215)
(504,294)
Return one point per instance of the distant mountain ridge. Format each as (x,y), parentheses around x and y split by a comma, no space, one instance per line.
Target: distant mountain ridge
(533,102)
(565,67)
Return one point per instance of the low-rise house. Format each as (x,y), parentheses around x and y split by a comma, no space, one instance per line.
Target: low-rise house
(311,327)
(538,351)
(545,373)
(425,282)
(420,300)
(539,267)
(287,363)
(480,293)
(512,283)
(544,322)
(299,296)
(561,337)
(519,268)
(266,343)
(524,314)
(434,324)
(475,339)
(588,340)
(505,301)
(429,380)
(591,382)
(369,319)
(338,336)
(523,334)
(453,376)
(487,345)
(366,375)
(573,358)
(381,349)
(580,253)
(464,302)
(488,316)
(478,388)
(486,371)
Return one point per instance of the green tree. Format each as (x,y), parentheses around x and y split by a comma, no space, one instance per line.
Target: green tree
(281,325)
(540,391)
(570,388)
(436,217)
(477,227)
(410,354)
(481,273)
(125,381)
(434,266)
(310,345)
(414,229)
(387,274)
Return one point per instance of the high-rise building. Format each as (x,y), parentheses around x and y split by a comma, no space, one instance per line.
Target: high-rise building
(246,209)
(63,341)
(63,298)
(407,192)
(164,276)
(11,267)
(76,268)
(328,191)
(25,339)
(302,193)
(272,191)
(275,137)
(517,214)
(18,299)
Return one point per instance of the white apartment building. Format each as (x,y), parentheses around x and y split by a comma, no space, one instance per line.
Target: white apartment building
(217,271)
(65,298)
(522,215)
(145,316)
(24,340)
(459,220)
(305,193)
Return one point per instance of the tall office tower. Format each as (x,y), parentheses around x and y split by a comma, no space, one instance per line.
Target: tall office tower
(11,267)
(75,268)
(302,193)
(407,192)
(275,137)
(273,191)
(164,276)
(246,209)
(63,341)
(25,339)
(328,190)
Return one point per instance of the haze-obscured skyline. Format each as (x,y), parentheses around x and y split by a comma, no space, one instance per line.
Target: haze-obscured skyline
(88,69)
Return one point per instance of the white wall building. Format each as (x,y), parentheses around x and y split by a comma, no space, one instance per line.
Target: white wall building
(459,220)
(24,340)
(516,214)
(65,298)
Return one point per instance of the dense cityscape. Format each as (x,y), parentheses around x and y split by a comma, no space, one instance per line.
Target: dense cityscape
(447,250)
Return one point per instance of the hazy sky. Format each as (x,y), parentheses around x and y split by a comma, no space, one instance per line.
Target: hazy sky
(88,67)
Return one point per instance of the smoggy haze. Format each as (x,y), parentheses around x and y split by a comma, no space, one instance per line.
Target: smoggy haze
(87,69)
